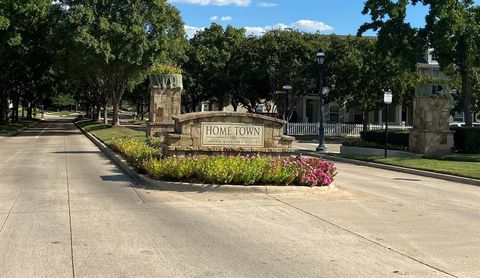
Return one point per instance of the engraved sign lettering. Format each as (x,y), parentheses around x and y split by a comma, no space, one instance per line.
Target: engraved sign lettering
(232,135)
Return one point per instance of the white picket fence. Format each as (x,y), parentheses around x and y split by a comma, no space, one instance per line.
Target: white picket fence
(341,130)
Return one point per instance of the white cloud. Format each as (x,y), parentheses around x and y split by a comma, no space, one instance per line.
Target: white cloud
(226,18)
(267,4)
(213,18)
(191,30)
(256,31)
(214,2)
(312,26)
(305,25)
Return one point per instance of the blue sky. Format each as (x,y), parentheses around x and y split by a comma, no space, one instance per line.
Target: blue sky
(341,17)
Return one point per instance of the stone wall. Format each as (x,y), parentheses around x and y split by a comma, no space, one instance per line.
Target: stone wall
(431,135)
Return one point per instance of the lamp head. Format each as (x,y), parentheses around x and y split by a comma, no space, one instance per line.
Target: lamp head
(320,57)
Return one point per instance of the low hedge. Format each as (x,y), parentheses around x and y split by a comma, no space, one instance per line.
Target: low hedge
(227,170)
(372,145)
(467,140)
(395,137)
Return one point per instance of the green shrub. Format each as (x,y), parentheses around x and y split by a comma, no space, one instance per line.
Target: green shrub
(467,140)
(134,151)
(155,142)
(395,137)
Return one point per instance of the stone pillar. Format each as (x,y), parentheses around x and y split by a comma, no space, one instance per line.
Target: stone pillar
(431,117)
(165,102)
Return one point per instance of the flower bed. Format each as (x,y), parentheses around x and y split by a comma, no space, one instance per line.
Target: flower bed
(243,170)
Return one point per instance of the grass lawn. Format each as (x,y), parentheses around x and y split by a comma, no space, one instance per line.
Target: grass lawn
(105,133)
(315,138)
(14,127)
(457,164)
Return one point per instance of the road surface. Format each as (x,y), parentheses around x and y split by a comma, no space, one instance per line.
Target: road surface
(66,211)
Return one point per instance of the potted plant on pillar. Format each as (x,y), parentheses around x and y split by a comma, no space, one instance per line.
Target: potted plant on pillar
(166,76)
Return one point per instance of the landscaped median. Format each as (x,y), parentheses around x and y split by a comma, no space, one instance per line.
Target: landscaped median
(145,156)
(232,170)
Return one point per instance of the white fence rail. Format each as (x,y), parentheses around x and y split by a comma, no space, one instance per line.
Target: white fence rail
(341,130)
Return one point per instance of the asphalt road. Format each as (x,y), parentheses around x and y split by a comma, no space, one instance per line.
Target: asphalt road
(66,211)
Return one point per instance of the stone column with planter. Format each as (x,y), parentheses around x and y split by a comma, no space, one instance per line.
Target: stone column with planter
(165,102)
(431,117)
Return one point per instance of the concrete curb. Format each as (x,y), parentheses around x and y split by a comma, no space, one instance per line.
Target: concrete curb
(146,182)
(397,169)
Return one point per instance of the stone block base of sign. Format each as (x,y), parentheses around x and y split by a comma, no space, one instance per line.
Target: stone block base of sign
(227,133)
(160,129)
(431,143)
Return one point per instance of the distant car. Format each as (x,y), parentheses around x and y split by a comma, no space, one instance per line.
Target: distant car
(455,126)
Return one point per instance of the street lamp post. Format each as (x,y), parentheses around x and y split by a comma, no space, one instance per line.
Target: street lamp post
(321,130)
(387,99)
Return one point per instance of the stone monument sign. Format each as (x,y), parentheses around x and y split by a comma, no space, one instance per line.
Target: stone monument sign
(227,133)
(209,133)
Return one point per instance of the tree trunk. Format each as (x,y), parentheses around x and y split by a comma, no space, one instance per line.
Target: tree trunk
(3,107)
(139,104)
(467,97)
(465,73)
(98,113)
(235,105)
(16,101)
(115,118)
(365,120)
(29,111)
(24,105)
(105,114)
(221,103)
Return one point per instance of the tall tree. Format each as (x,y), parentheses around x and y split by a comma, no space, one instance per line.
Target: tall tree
(290,59)
(211,61)
(24,35)
(359,75)
(125,38)
(452,28)
(249,75)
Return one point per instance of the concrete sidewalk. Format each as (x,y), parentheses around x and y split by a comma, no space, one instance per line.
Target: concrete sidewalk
(332,147)
(66,211)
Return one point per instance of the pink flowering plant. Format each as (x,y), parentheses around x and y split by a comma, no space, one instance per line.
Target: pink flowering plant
(245,170)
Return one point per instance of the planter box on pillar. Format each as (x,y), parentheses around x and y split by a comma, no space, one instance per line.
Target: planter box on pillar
(165,102)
